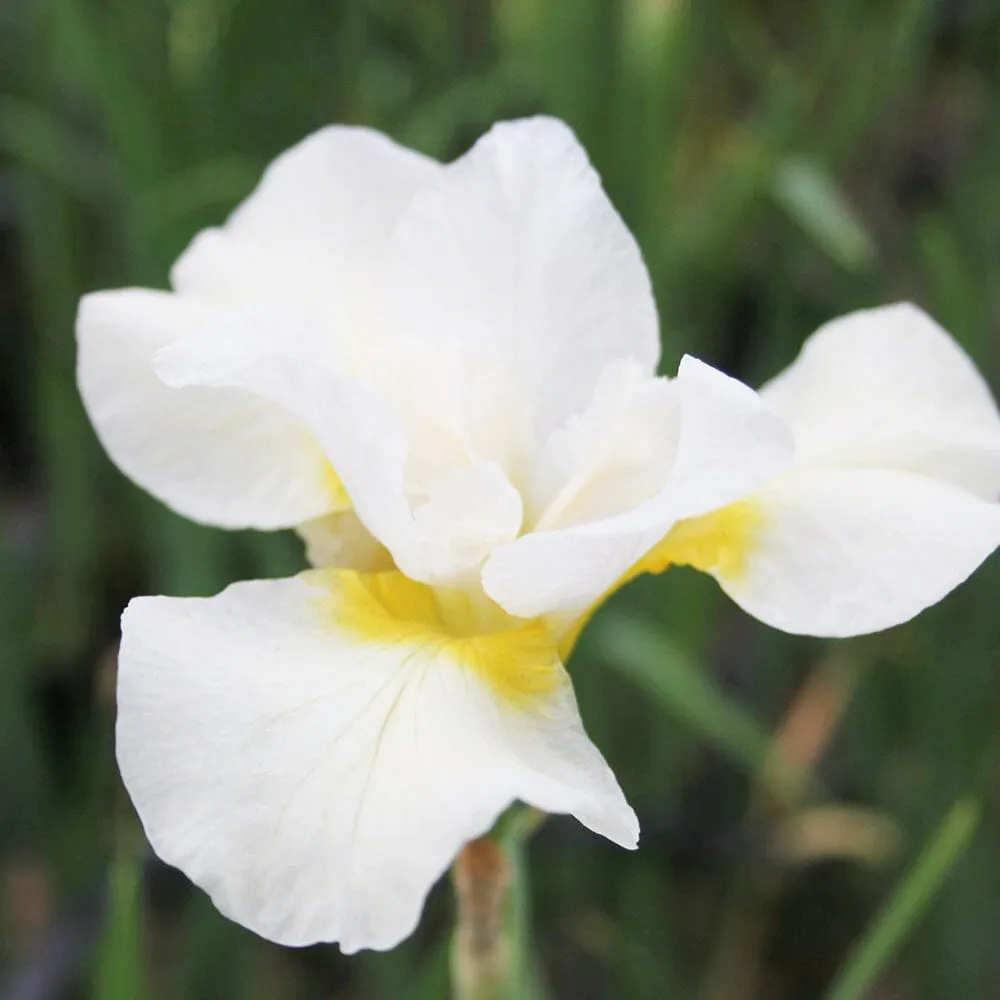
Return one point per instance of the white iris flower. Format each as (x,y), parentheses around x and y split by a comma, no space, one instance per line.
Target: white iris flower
(444,377)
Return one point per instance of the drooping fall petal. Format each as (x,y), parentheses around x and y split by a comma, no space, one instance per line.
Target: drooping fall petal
(892,499)
(315,751)
(839,552)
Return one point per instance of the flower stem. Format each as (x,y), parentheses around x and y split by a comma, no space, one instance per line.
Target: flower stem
(492,957)
(481,958)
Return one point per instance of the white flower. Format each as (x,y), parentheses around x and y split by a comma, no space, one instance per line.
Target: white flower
(444,377)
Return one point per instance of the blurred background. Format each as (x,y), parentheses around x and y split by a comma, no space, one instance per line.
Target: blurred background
(780,162)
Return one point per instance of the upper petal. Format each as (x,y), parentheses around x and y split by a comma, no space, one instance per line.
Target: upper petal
(363,439)
(889,388)
(838,552)
(292,269)
(611,457)
(222,456)
(475,508)
(314,752)
(515,251)
(729,443)
(314,231)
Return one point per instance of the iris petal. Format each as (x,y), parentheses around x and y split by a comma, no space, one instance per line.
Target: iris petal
(315,751)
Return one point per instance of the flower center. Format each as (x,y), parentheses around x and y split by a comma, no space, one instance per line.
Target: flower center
(518,659)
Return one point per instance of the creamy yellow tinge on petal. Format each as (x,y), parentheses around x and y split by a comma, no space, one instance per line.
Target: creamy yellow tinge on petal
(338,495)
(518,659)
(716,543)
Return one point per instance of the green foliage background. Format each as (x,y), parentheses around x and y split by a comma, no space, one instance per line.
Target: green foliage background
(781,163)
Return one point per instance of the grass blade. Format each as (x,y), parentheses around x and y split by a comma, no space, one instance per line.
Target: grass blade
(679,685)
(810,196)
(907,905)
(119,966)
(32,136)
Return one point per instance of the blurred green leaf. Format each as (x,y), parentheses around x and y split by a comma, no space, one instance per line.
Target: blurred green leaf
(809,194)
(525,982)
(32,136)
(83,41)
(907,904)
(65,441)
(431,982)
(119,966)
(480,99)
(679,686)
(182,197)
(23,790)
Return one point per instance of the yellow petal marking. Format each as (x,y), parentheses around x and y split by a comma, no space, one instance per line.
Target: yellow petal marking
(328,478)
(716,543)
(339,500)
(517,658)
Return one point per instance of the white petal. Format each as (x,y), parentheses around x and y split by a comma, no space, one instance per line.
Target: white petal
(475,507)
(515,251)
(315,765)
(340,540)
(364,441)
(888,388)
(729,443)
(314,231)
(425,390)
(848,551)
(218,455)
(356,430)
(729,438)
(611,457)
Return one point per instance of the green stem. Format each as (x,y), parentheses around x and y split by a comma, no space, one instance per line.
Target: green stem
(492,956)
(481,958)
(119,965)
